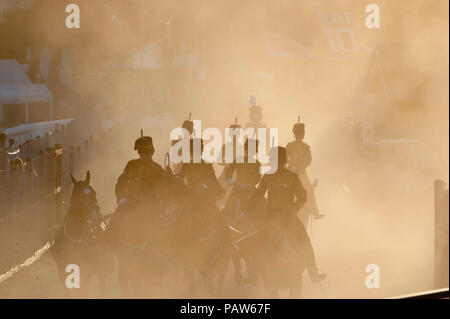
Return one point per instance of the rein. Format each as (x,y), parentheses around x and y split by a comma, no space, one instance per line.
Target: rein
(83,238)
(219,252)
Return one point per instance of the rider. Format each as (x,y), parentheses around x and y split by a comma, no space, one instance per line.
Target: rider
(143,177)
(299,158)
(244,176)
(233,145)
(247,177)
(286,196)
(200,177)
(255,115)
(188,125)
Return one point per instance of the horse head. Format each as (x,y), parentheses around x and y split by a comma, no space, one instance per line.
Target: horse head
(84,197)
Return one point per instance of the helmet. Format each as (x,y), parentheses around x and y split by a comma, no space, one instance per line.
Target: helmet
(144,143)
(299,128)
(189,126)
(235,125)
(281,153)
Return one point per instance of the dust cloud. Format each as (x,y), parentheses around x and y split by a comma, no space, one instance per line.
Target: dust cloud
(374,101)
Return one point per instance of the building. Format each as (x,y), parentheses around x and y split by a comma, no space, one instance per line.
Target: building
(21,101)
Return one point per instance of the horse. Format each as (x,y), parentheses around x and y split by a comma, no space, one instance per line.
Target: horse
(141,234)
(275,252)
(205,250)
(140,237)
(80,240)
(244,221)
(202,242)
(285,266)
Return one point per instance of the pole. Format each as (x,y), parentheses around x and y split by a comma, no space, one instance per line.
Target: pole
(441,248)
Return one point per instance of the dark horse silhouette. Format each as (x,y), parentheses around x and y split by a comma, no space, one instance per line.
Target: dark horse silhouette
(140,237)
(278,256)
(80,240)
(245,221)
(202,244)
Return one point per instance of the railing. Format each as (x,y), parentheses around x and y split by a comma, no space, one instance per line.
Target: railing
(35,188)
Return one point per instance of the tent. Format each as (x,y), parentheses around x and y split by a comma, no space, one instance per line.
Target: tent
(16,91)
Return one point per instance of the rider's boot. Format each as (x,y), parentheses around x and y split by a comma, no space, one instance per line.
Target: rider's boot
(308,253)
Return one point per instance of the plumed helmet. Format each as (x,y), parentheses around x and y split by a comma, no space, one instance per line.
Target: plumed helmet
(144,143)
(255,110)
(299,128)
(252,100)
(281,153)
(235,125)
(188,125)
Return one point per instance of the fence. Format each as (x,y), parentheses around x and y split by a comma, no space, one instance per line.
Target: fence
(35,188)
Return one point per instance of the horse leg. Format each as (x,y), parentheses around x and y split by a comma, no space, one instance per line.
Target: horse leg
(84,284)
(236,260)
(296,288)
(222,271)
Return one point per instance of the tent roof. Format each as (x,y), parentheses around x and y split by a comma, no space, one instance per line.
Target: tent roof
(16,87)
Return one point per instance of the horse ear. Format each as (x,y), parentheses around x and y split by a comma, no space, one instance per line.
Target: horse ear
(73,179)
(88,177)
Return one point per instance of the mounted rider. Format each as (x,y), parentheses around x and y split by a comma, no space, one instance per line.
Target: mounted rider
(233,145)
(299,158)
(243,175)
(200,177)
(188,126)
(203,187)
(142,178)
(255,115)
(286,196)
(256,120)
(140,192)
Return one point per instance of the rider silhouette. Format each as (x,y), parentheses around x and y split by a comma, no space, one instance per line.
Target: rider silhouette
(200,177)
(299,158)
(203,191)
(143,177)
(234,145)
(286,196)
(247,176)
(235,132)
(188,125)
(255,115)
